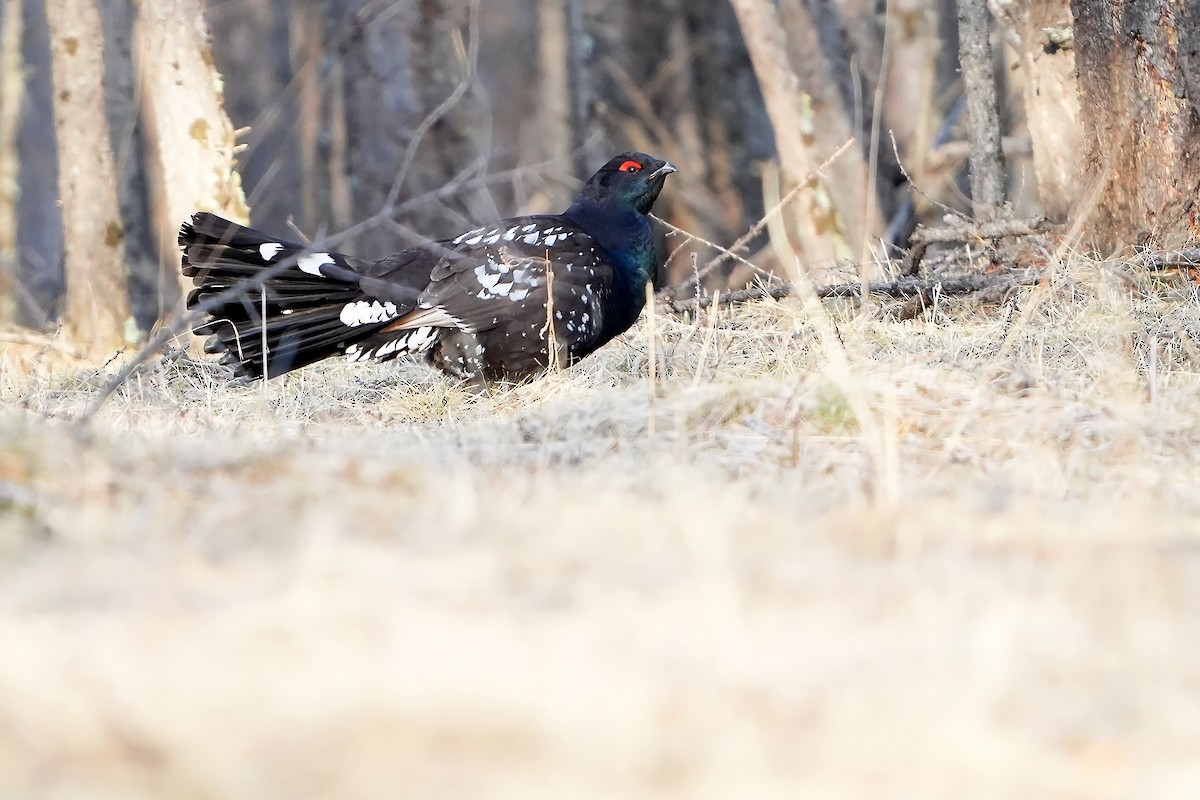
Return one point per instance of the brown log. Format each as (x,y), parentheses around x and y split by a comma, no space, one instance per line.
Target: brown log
(999,229)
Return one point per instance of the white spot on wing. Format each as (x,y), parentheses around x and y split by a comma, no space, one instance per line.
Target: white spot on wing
(268,250)
(421,339)
(414,341)
(311,263)
(362,312)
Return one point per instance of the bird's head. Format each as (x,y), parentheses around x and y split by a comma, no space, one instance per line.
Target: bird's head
(632,179)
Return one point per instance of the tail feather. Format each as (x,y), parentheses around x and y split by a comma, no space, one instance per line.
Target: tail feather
(295,313)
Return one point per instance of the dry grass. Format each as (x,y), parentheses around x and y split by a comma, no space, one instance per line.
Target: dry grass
(956,557)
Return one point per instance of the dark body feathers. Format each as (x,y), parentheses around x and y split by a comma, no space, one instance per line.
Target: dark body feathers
(484,306)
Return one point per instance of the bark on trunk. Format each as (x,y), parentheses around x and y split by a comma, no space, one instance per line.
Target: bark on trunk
(96,312)
(1139,97)
(983,111)
(189,139)
(1051,100)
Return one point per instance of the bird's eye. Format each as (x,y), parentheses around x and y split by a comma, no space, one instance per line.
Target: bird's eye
(631,166)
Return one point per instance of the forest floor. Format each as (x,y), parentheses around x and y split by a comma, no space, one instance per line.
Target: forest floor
(815,555)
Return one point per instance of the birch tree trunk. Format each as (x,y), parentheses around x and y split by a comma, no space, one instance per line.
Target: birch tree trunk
(96,313)
(821,235)
(189,138)
(1139,86)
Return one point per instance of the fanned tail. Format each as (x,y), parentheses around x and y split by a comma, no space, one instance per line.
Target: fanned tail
(296,312)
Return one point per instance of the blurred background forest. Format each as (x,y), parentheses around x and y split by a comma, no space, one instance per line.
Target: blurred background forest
(529,96)
(401,121)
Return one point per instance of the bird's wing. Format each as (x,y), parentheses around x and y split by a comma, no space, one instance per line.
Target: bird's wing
(496,276)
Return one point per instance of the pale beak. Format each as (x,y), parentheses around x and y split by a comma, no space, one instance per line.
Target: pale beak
(666,169)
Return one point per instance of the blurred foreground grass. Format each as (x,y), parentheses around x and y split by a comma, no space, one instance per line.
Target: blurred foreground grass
(954,557)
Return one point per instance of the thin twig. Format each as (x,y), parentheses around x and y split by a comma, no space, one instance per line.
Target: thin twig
(913,184)
(691,237)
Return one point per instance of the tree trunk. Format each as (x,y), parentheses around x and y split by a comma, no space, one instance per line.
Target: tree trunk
(821,236)
(96,313)
(1051,100)
(381,110)
(1139,101)
(454,150)
(736,132)
(554,111)
(910,80)
(121,103)
(983,110)
(412,117)
(305,40)
(251,46)
(840,83)
(582,55)
(39,216)
(189,139)
(12,87)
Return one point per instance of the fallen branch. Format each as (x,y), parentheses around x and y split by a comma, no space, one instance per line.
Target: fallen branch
(966,232)
(968,283)
(1169,259)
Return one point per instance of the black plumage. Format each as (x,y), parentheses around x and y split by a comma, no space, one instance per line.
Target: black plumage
(486,305)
